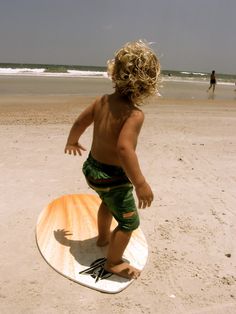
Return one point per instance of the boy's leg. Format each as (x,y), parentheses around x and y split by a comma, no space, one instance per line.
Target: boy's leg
(104,220)
(118,243)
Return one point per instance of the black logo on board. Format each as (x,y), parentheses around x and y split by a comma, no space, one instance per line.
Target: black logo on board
(96,270)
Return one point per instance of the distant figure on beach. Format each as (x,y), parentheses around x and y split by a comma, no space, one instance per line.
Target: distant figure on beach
(212,81)
(112,168)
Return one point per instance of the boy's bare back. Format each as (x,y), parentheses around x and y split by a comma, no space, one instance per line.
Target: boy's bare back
(113,114)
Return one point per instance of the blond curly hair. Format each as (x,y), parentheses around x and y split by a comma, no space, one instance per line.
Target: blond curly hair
(135,71)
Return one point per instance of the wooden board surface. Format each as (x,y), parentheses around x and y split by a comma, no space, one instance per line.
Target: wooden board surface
(66,235)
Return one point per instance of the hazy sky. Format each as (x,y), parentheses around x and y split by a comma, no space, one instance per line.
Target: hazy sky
(198,35)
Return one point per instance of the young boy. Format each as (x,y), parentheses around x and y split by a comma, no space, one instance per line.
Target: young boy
(112,168)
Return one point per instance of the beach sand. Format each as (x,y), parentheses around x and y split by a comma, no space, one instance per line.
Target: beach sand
(187,151)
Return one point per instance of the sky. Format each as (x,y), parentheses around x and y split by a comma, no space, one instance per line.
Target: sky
(188,35)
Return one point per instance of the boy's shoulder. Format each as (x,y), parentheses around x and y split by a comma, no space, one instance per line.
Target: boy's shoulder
(135,117)
(137,114)
(98,102)
(100,99)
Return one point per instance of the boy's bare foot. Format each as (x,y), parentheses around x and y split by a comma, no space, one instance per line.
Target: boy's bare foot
(124,270)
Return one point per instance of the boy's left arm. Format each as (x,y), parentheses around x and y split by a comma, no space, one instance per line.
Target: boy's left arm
(84,120)
(126,146)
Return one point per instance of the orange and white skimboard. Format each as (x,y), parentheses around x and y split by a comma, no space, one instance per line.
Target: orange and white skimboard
(66,235)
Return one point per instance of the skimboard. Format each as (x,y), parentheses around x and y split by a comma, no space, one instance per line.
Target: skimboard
(66,235)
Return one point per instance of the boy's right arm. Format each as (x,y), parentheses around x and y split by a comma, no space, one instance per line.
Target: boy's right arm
(126,150)
(80,125)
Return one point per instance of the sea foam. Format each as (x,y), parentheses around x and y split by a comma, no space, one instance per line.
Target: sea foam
(44,72)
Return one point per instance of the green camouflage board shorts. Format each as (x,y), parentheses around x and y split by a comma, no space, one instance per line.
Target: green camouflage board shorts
(115,190)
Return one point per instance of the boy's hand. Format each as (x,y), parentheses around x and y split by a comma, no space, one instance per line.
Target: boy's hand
(144,194)
(74,149)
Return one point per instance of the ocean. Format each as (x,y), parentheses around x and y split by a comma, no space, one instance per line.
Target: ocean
(59,70)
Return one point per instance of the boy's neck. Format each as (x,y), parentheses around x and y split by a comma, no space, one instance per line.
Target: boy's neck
(123,98)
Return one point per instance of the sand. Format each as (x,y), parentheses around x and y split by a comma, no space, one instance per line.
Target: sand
(187,151)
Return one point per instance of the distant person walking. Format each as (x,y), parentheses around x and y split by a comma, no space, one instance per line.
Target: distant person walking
(212,81)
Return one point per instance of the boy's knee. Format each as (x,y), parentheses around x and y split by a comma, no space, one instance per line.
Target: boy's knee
(128,215)
(130,221)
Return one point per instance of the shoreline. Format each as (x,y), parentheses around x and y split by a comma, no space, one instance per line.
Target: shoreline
(165,78)
(60,86)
